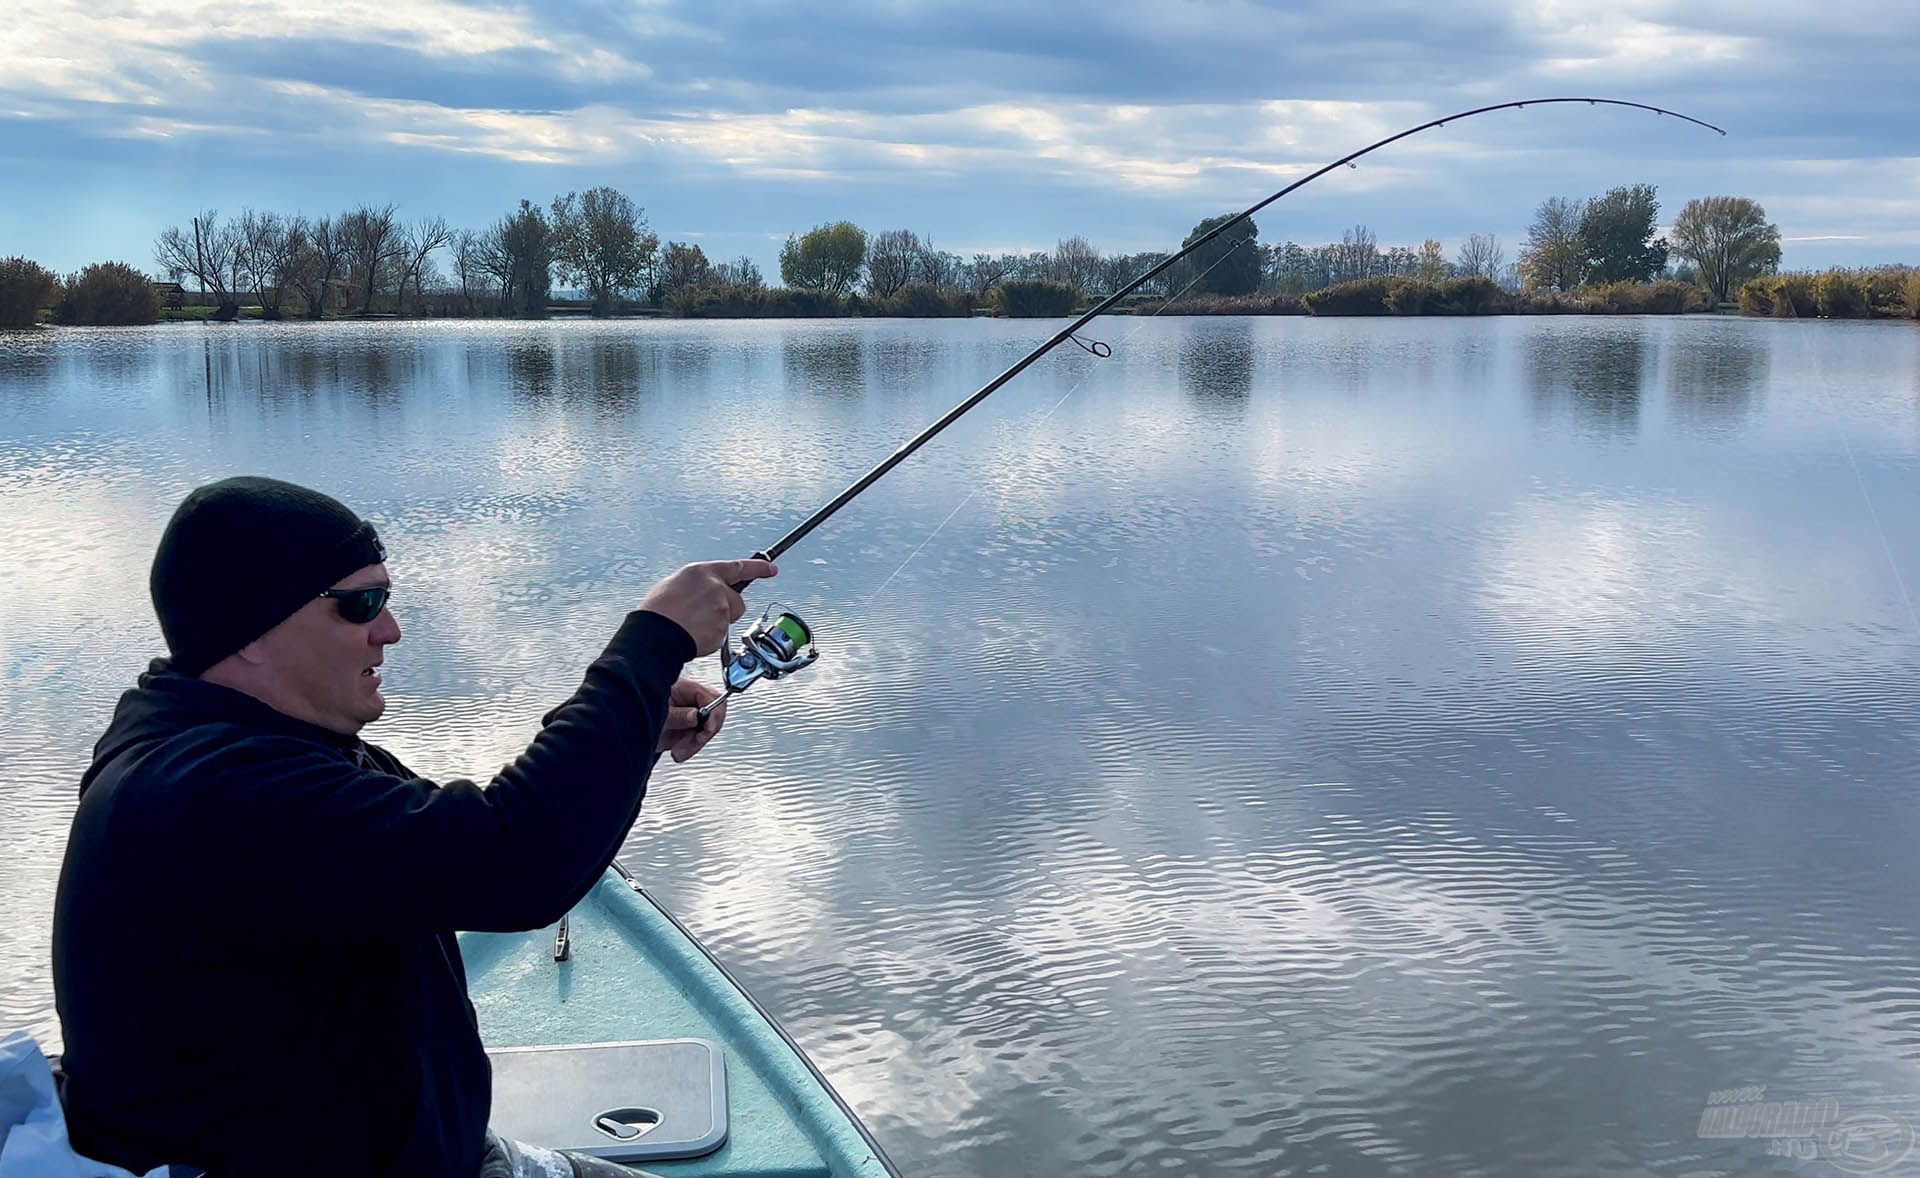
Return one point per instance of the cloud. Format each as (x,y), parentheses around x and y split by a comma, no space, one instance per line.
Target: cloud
(1118,114)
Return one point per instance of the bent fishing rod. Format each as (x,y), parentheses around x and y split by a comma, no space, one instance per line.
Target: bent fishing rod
(780,643)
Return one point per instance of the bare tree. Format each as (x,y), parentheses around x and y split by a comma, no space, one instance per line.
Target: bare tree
(468,267)
(1115,271)
(938,268)
(494,255)
(269,245)
(373,238)
(742,271)
(1481,256)
(1357,255)
(1553,257)
(601,243)
(319,255)
(1077,263)
(987,271)
(211,252)
(415,250)
(890,261)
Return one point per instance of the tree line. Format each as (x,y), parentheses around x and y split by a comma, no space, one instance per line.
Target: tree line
(369,261)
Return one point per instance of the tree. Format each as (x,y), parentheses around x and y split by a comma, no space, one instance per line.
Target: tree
(469,266)
(1729,239)
(987,271)
(108,293)
(318,257)
(519,253)
(1290,269)
(742,271)
(1230,263)
(601,244)
(1617,235)
(938,268)
(826,258)
(25,287)
(372,238)
(417,243)
(1076,263)
(1481,256)
(210,252)
(493,260)
(1554,256)
(1432,266)
(268,245)
(1356,255)
(890,261)
(682,267)
(1400,262)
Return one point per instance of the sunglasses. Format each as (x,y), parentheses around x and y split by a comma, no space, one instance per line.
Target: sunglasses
(360,605)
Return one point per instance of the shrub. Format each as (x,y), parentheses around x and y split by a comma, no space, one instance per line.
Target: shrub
(1783,296)
(1035,298)
(1270,303)
(1793,297)
(917,300)
(108,293)
(25,287)
(1879,292)
(1362,296)
(1478,295)
(727,300)
(1841,295)
(1552,302)
(801,303)
(1756,296)
(1414,298)
(1885,288)
(1665,297)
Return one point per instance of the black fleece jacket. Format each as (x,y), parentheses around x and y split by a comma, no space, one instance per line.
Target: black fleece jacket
(253,950)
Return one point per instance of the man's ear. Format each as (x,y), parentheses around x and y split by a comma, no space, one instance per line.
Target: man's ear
(252,654)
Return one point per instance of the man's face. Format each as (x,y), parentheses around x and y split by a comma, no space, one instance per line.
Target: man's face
(321,666)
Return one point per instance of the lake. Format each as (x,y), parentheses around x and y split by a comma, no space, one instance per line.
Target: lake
(1288,746)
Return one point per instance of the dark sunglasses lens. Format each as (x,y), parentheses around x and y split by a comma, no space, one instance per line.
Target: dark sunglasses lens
(363,606)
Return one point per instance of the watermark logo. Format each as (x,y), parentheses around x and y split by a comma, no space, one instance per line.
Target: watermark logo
(1852,1140)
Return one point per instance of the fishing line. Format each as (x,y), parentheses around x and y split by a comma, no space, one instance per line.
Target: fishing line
(1097,348)
(1859,480)
(779,643)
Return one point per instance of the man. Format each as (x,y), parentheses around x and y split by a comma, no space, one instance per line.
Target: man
(253,949)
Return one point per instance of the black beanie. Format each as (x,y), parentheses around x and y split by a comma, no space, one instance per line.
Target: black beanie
(242,555)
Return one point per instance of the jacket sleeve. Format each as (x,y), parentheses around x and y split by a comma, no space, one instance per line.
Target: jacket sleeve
(296,835)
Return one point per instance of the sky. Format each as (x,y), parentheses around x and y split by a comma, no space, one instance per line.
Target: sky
(984,126)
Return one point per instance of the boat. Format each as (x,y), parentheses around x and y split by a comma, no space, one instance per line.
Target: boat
(619,1034)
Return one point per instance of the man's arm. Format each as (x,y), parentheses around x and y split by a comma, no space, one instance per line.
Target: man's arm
(296,835)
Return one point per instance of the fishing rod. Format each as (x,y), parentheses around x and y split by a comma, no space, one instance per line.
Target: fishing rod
(779,643)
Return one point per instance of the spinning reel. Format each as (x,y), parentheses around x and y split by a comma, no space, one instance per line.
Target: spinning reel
(776,645)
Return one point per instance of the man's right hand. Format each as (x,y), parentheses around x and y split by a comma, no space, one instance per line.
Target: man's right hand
(701,599)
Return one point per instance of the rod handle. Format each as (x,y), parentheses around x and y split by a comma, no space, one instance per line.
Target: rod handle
(741,586)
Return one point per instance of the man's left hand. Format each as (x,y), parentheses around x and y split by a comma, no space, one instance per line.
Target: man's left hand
(682,737)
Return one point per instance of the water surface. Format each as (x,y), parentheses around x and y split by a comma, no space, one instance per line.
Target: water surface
(1289,746)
